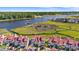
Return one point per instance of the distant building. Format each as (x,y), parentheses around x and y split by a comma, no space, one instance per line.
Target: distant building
(72,20)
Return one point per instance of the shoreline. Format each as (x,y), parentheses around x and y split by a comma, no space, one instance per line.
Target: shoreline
(10,20)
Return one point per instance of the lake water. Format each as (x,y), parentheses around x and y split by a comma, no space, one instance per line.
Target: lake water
(15,24)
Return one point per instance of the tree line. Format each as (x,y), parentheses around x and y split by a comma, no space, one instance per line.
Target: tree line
(17,15)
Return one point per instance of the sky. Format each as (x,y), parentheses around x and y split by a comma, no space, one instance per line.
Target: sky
(38,9)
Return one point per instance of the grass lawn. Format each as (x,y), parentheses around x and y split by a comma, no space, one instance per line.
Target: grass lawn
(64,29)
(4,31)
(70,33)
(2,46)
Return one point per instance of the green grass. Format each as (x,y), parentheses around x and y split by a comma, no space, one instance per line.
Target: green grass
(2,46)
(70,33)
(64,29)
(30,30)
(4,31)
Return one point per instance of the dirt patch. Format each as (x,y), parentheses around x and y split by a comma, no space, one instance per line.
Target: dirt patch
(44,27)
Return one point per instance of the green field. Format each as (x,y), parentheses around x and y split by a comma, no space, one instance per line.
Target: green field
(63,29)
(5,32)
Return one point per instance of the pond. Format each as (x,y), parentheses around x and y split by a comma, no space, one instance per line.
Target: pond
(20,23)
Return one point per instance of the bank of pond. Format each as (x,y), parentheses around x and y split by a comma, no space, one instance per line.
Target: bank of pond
(41,26)
(50,28)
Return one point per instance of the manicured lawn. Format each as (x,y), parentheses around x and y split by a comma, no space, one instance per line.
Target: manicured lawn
(2,46)
(73,34)
(4,31)
(30,30)
(63,29)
